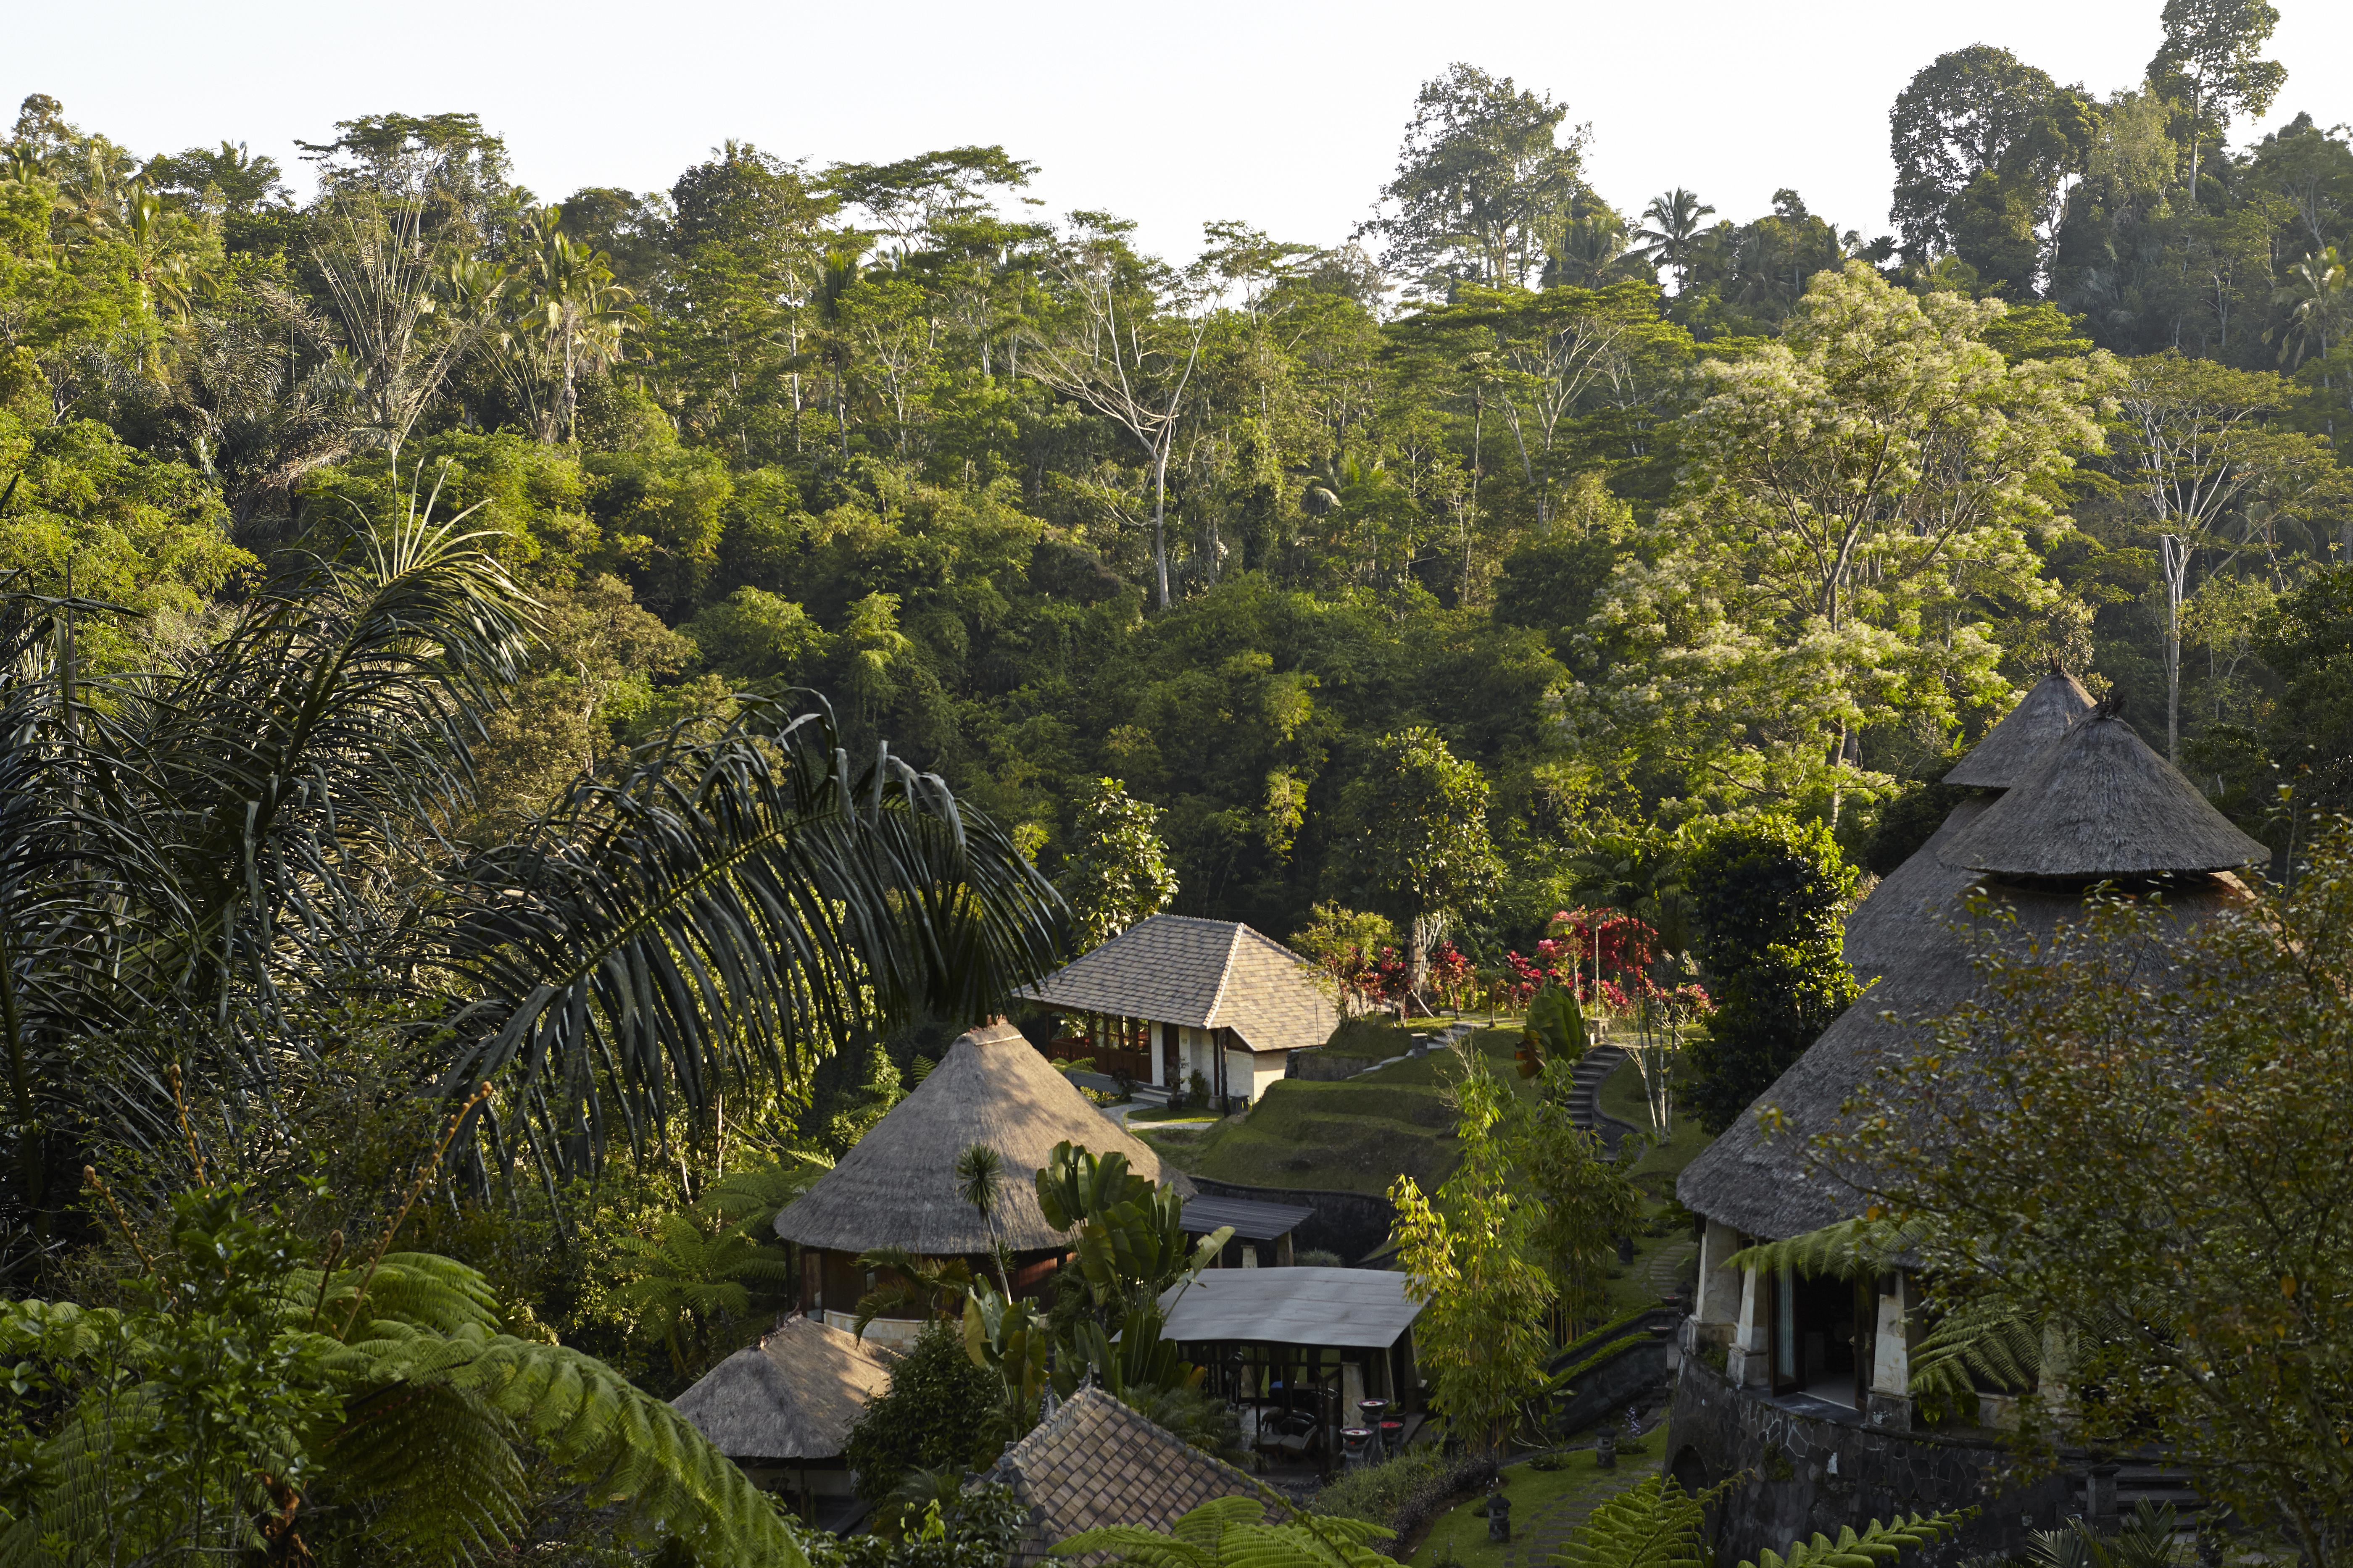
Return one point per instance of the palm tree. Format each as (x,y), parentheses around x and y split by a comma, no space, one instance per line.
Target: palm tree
(205,866)
(568,316)
(1671,236)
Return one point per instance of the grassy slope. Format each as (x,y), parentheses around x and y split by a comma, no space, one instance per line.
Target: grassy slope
(1355,1136)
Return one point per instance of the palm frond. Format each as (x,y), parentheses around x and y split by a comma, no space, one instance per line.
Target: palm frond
(720,911)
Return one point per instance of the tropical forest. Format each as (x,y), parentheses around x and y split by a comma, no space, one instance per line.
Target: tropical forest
(532,721)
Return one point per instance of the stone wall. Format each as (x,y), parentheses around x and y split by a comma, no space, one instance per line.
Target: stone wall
(1635,1373)
(1808,1473)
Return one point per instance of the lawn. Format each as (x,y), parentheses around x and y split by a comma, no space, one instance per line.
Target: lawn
(1545,1506)
(1357,1135)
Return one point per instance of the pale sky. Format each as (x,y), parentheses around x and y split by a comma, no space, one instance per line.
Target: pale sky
(1284,115)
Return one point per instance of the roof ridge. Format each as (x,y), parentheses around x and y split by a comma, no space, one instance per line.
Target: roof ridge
(1225,976)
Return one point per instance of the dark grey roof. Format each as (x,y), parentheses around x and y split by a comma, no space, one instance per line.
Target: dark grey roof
(1251,1220)
(1769,1184)
(1095,1462)
(2099,802)
(1208,975)
(1366,1308)
(2009,747)
(795,1396)
(897,1187)
(1882,929)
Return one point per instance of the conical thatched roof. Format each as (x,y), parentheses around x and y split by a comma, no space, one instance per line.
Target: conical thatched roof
(795,1396)
(1761,1183)
(897,1187)
(2099,802)
(1885,931)
(2010,747)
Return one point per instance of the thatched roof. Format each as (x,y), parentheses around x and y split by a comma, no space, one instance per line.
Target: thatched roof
(1760,1182)
(1210,975)
(897,1187)
(1884,926)
(795,1396)
(2099,802)
(2012,746)
(1096,1462)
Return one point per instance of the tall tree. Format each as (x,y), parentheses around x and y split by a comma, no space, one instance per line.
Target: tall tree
(1975,135)
(1482,182)
(1470,1254)
(2211,64)
(1416,823)
(1121,343)
(1671,231)
(1116,870)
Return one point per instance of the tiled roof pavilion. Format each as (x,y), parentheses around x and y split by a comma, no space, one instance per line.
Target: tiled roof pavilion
(1207,974)
(1096,1462)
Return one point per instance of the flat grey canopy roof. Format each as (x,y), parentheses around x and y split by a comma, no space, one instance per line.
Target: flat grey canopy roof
(1251,1220)
(1350,1308)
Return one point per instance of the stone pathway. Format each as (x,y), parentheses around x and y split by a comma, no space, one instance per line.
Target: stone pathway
(1585,1098)
(1665,1264)
(1437,1041)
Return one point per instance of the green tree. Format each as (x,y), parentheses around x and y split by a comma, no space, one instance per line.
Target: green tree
(1471,1255)
(1583,1200)
(1767,898)
(1674,231)
(2211,64)
(1973,132)
(1857,496)
(1116,869)
(1415,821)
(942,1411)
(692,1281)
(1482,182)
(2205,1279)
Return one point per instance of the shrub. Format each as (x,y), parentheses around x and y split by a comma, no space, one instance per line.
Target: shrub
(941,1411)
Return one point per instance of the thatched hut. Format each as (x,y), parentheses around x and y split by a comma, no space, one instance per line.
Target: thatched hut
(783,1409)
(2095,807)
(897,1185)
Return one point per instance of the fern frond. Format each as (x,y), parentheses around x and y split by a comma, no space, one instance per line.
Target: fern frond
(1134,1544)
(1877,1545)
(431,1469)
(420,1288)
(1982,1342)
(1850,1250)
(1656,1524)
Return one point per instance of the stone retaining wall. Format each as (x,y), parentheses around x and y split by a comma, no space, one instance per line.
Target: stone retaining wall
(1808,1474)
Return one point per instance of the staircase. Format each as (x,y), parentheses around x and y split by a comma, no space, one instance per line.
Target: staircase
(1585,1094)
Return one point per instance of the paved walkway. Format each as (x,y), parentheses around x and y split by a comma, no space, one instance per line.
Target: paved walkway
(1535,1540)
(1665,1264)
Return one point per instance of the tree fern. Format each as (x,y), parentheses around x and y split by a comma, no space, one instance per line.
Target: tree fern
(1231,1532)
(1850,1250)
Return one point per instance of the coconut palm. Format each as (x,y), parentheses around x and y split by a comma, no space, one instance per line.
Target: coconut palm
(1671,236)
(224,856)
(566,317)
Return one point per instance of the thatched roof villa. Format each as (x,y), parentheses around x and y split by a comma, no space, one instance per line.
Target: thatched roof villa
(1172,996)
(783,1409)
(897,1185)
(2091,806)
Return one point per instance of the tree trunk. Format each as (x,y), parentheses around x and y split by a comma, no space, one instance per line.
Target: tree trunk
(1160,521)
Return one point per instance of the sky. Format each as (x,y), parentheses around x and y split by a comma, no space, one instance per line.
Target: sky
(1285,116)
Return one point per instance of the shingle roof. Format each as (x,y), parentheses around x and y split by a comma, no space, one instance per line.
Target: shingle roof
(1209,974)
(793,1395)
(1095,1462)
(897,1185)
(1357,1308)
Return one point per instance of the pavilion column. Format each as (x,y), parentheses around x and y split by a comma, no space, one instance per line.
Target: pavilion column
(1889,1403)
(1749,1363)
(1715,1313)
(2054,1388)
